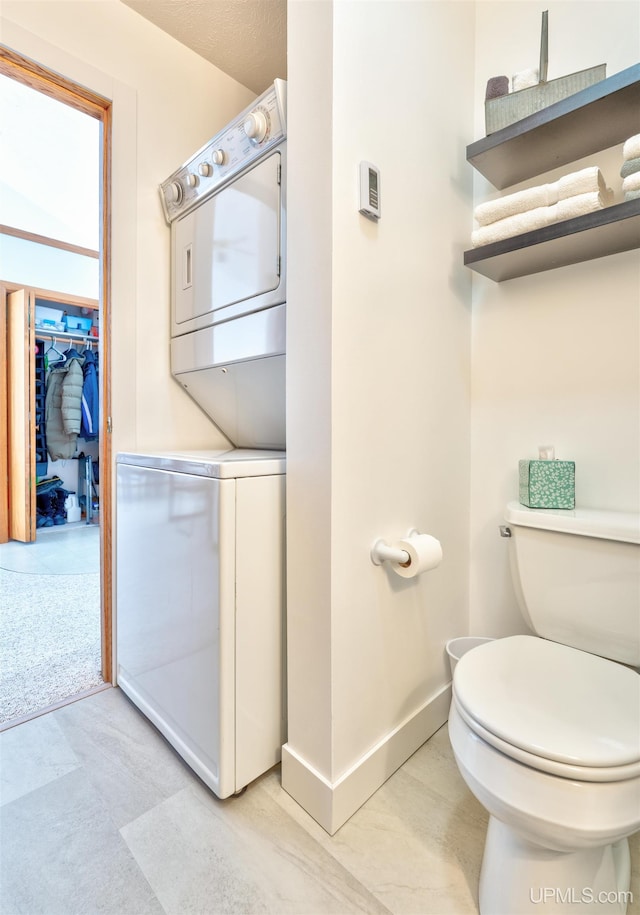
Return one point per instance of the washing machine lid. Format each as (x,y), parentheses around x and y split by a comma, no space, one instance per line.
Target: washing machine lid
(552,701)
(232,463)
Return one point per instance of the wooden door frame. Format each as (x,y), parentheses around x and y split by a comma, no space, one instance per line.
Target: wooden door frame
(4,419)
(64,90)
(21,437)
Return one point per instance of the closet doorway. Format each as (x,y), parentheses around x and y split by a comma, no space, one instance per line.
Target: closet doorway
(55,502)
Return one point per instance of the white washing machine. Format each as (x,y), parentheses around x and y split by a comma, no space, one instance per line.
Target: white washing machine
(200,605)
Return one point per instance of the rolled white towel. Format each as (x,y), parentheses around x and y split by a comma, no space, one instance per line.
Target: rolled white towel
(586,181)
(578,205)
(525,79)
(631,148)
(581,182)
(632,195)
(631,182)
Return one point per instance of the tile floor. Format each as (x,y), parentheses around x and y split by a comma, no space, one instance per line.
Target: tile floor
(100,815)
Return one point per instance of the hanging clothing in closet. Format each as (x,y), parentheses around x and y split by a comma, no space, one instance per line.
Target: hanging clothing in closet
(90,398)
(63,406)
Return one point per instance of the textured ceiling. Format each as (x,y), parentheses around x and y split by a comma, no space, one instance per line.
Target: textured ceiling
(245,38)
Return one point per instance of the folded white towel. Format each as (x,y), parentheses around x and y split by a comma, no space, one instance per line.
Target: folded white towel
(524,79)
(578,205)
(581,204)
(631,182)
(582,182)
(512,225)
(631,149)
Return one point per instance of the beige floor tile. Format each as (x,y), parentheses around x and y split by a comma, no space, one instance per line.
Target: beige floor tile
(131,766)
(31,755)
(416,850)
(242,855)
(61,855)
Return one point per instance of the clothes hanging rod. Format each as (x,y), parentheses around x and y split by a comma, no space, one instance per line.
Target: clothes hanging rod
(67,337)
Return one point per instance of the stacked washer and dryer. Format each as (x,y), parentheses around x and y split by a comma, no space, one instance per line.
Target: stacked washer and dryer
(200,535)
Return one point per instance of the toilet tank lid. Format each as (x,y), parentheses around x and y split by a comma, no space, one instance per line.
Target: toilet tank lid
(587,522)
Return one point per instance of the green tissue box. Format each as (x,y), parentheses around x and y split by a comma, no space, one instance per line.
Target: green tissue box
(548,484)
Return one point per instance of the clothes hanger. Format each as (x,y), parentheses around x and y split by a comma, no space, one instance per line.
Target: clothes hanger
(55,349)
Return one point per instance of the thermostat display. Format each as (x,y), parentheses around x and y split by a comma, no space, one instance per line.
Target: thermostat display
(369,190)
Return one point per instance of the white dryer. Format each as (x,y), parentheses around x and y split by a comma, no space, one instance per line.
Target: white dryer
(227,210)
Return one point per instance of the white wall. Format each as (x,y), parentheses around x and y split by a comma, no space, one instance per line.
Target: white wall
(556,355)
(379,350)
(167,102)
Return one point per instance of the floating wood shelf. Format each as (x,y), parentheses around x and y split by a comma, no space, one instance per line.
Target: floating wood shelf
(593,119)
(608,231)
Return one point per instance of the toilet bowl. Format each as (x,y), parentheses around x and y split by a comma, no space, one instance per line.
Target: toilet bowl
(546,734)
(547,737)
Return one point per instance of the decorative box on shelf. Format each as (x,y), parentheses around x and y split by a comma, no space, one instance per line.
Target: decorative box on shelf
(514,107)
(527,100)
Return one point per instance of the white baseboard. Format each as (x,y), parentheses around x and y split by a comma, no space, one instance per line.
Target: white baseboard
(331,804)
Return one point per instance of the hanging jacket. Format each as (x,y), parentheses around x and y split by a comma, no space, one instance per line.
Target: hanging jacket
(72,394)
(62,408)
(90,398)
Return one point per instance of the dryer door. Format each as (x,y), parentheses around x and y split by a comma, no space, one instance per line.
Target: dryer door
(226,254)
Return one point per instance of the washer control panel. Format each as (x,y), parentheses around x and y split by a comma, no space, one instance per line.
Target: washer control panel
(256,130)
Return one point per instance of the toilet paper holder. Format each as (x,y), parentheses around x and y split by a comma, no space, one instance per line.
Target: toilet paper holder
(382,552)
(409,556)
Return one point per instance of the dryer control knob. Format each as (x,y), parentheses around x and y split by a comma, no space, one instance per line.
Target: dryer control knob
(205,169)
(256,126)
(218,157)
(192,180)
(174,192)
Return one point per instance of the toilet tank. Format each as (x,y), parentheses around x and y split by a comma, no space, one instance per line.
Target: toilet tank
(577,577)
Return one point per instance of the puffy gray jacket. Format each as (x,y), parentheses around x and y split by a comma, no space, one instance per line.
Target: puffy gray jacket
(63,409)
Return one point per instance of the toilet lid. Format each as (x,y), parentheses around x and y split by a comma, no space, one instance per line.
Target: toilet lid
(552,701)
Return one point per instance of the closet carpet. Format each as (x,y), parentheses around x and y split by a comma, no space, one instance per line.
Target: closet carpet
(49,621)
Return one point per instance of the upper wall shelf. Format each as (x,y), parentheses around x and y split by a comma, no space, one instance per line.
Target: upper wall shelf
(595,118)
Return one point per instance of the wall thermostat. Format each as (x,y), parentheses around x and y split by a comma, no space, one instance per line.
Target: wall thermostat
(369,190)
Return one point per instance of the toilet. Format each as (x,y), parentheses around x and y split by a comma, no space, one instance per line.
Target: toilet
(545,728)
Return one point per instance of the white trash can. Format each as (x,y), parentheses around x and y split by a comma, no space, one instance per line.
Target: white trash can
(457,647)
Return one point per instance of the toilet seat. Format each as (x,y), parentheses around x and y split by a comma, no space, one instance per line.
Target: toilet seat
(552,707)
